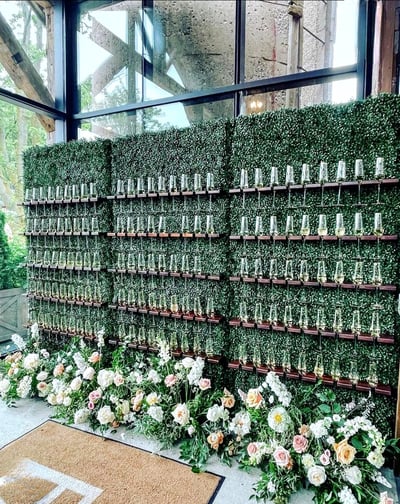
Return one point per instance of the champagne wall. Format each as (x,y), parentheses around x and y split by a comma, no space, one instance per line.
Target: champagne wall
(268,242)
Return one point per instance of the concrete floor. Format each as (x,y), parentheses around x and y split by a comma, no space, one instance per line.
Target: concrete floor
(235,489)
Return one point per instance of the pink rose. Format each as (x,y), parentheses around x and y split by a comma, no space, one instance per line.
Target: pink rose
(170,380)
(59,369)
(282,457)
(90,405)
(252,449)
(300,443)
(204,383)
(94,395)
(325,458)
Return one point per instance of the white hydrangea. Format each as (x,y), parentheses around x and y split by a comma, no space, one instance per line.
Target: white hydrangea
(353,475)
(24,387)
(376,458)
(156,413)
(346,496)
(240,424)
(153,376)
(4,387)
(320,428)
(196,371)
(31,362)
(81,416)
(18,341)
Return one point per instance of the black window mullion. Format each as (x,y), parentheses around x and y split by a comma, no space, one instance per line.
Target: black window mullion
(240,50)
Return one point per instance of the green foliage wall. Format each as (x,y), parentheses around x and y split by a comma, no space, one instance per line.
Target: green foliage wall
(135,299)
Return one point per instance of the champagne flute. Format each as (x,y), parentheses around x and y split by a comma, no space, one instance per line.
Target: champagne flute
(323,178)
(359,176)
(379,175)
(305,179)
(340,177)
(289,181)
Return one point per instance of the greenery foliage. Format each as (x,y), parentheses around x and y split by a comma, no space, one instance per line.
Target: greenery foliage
(361,130)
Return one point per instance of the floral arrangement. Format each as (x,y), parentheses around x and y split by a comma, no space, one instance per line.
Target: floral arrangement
(332,449)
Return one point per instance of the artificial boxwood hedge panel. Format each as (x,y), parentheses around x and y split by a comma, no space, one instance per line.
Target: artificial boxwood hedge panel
(192,163)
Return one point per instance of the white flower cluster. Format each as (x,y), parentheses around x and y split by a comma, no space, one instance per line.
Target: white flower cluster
(24,387)
(153,376)
(346,496)
(79,362)
(164,352)
(320,428)
(217,412)
(278,388)
(352,426)
(105,415)
(240,424)
(105,378)
(18,341)
(81,416)
(196,371)
(4,386)
(379,478)
(156,413)
(31,362)
(100,338)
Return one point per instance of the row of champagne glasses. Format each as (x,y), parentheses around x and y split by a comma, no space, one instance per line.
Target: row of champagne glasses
(304,273)
(61,193)
(159,300)
(305,178)
(305,227)
(251,353)
(54,258)
(151,185)
(67,322)
(83,290)
(66,224)
(337,324)
(142,224)
(139,261)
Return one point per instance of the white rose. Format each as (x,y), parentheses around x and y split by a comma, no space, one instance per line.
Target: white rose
(152,399)
(67,401)
(31,361)
(353,475)
(76,384)
(156,412)
(187,362)
(88,374)
(215,413)
(52,399)
(376,459)
(105,378)
(105,415)
(124,407)
(42,376)
(118,379)
(181,414)
(4,386)
(316,475)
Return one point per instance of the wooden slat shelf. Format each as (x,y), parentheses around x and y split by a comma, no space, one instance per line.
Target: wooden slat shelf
(62,201)
(72,302)
(210,192)
(63,233)
(63,268)
(311,331)
(327,285)
(173,274)
(352,184)
(164,235)
(313,238)
(217,319)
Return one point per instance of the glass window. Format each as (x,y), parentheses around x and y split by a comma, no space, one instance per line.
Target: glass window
(26,62)
(285,39)
(127,54)
(175,115)
(340,91)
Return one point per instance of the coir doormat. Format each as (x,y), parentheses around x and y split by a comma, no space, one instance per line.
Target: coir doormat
(61,465)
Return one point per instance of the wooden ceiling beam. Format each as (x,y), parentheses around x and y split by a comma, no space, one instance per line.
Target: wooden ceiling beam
(21,70)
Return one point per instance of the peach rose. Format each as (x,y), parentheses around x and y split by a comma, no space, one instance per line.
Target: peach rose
(95,357)
(228,400)
(304,430)
(59,369)
(345,453)
(282,458)
(215,439)
(300,443)
(254,398)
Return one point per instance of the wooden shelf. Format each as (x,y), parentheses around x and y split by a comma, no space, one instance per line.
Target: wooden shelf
(211,192)
(311,331)
(327,285)
(63,268)
(329,185)
(313,238)
(167,313)
(173,274)
(66,301)
(62,233)
(164,235)
(62,201)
